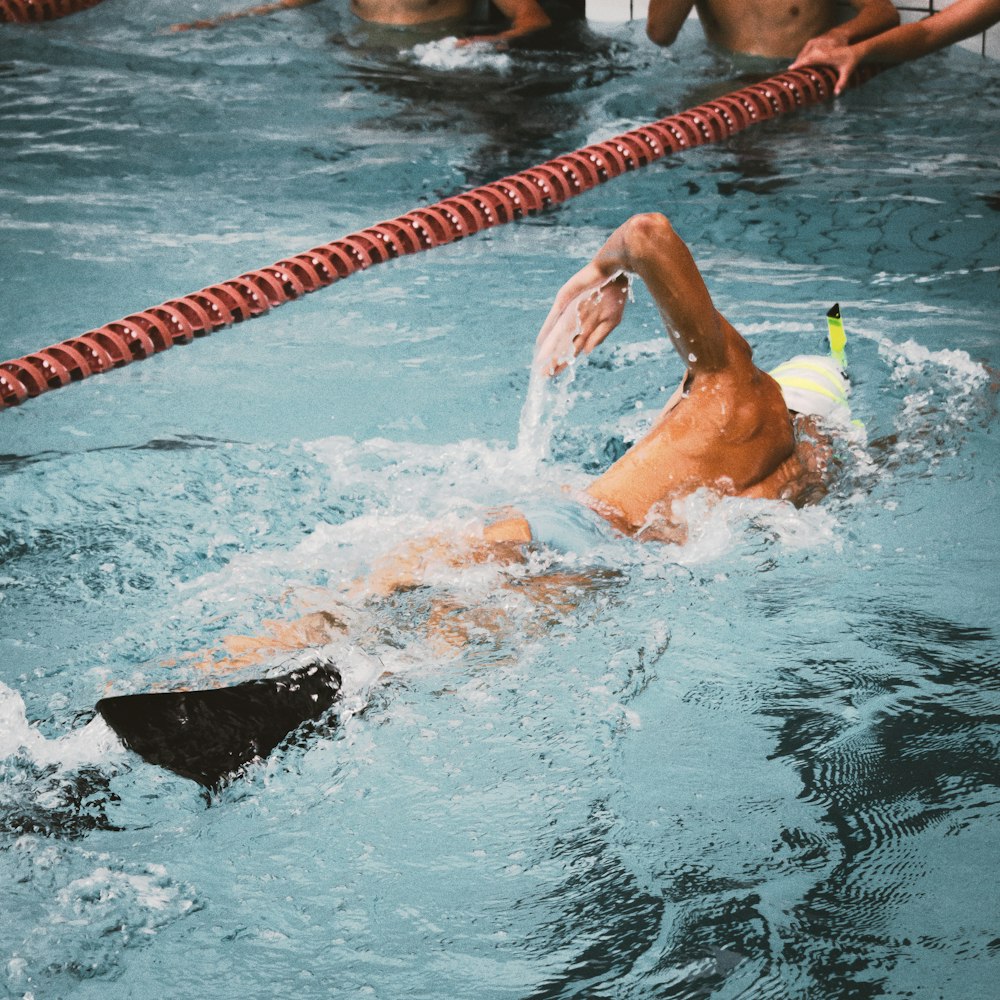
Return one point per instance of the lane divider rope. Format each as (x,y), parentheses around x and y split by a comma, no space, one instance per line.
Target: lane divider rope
(180,320)
(28,11)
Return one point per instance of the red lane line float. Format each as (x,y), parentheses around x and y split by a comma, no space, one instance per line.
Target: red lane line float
(433,223)
(469,213)
(526,194)
(114,346)
(23,377)
(498,202)
(78,363)
(133,337)
(28,11)
(180,320)
(252,295)
(12,389)
(97,355)
(336,261)
(51,370)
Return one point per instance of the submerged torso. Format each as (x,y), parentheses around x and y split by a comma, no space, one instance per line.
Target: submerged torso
(410,11)
(765,27)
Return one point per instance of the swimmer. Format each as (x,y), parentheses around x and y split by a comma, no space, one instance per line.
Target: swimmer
(958,21)
(776,29)
(728,429)
(525,16)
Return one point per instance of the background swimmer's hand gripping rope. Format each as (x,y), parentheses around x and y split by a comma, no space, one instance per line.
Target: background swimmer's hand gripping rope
(26,11)
(180,320)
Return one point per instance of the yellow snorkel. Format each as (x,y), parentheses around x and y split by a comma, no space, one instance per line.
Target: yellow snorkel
(837,336)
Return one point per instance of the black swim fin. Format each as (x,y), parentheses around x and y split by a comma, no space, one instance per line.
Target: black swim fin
(209,735)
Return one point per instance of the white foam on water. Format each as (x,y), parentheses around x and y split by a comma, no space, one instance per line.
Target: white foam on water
(909,357)
(770,326)
(717,526)
(546,405)
(446,54)
(90,744)
(640,350)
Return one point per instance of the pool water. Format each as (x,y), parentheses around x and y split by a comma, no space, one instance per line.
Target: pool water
(762,764)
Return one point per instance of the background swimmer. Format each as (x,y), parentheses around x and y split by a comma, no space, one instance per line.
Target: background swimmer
(960,20)
(525,16)
(770,28)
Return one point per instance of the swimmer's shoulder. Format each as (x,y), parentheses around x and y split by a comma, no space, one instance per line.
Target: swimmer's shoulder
(803,477)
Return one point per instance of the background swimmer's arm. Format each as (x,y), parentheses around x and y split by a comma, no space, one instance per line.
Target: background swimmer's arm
(258,11)
(871,17)
(962,19)
(525,17)
(664,20)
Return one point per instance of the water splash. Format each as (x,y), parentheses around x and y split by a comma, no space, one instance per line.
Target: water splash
(89,745)
(446,54)
(546,404)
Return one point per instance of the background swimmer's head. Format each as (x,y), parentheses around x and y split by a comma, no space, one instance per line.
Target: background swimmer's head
(814,384)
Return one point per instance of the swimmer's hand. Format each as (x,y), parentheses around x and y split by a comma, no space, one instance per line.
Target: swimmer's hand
(493,41)
(823,51)
(586,309)
(525,16)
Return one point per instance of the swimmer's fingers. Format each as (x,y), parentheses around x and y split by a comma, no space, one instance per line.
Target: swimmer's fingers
(818,52)
(844,71)
(560,343)
(494,41)
(583,329)
(600,313)
(587,279)
(585,343)
(586,309)
(556,350)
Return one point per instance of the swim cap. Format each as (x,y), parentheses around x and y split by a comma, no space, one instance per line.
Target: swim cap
(815,384)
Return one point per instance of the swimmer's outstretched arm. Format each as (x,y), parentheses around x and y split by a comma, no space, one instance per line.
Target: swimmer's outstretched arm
(257,11)
(961,19)
(590,305)
(870,18)
(525,16)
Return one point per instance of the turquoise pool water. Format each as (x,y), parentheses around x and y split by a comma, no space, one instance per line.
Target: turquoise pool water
(760,765)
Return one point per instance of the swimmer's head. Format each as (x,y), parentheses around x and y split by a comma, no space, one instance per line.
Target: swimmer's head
(814,384)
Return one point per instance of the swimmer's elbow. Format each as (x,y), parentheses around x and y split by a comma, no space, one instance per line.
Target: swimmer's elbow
(662,35)
(889,17)
(647,237)
(537,22)
(664,20)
